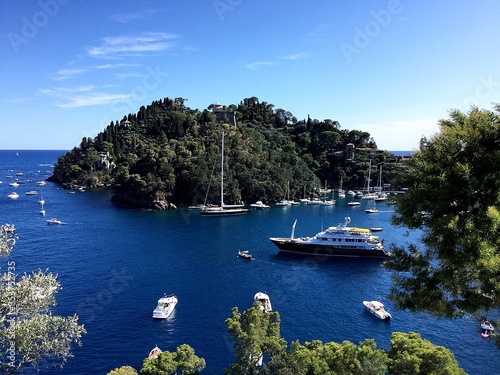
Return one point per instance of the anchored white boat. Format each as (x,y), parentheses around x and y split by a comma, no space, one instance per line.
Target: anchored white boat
(223,209)
(264,299)
(244,254)
(377,308)
(13,195)
(155,352)
(259,205)
(166,305)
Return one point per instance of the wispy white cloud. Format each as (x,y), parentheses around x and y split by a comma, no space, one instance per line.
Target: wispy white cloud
(84,96)
(297,56)
(125,75)
(122,46)
(129,17)
(21,100)
(113,66)
(63,74)
(258,65)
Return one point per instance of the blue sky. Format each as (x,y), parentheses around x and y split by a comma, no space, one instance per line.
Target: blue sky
(391,68)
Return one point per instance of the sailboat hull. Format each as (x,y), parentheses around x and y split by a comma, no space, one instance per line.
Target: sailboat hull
(224,212)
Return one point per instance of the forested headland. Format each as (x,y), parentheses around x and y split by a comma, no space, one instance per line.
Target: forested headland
(168,154)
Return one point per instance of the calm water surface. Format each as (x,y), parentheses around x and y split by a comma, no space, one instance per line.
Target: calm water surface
(114,264)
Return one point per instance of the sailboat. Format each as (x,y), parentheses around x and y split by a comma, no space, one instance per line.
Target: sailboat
(367,194)
(341,192)
(381,196)
(223,209)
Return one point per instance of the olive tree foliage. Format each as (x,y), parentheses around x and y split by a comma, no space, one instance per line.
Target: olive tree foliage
(30,335)
(182,361)
(454,199)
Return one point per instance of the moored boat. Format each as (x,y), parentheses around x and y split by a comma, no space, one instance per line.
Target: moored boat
(165,306)
(336,241)
(13,195)
(155,352)
(259,205)
(377,309)
(223,209)
(264,299)
(244,254)
(487,326)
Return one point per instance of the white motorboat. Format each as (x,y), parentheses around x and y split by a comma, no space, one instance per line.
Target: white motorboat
(224,209)
(41,183)
(166,305)
(155,352)
(54,221)
(353,203)
(283,203)
(13,195)
(487,326)
(327,203)
(244,254)
(314,201)
(265,301)
(259,205)
(377,309)
(32,192)
(336,241)
(14,184)
(372,210)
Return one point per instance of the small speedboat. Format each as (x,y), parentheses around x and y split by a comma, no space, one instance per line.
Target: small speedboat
(376,308)
(54,221)
(372,210)
(354,203)
(265,301)
(244,254)
(155,352)
(260,205)
(166,305)
(13,195)
(487,326)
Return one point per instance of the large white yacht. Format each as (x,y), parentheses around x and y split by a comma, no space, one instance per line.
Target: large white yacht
(337,241)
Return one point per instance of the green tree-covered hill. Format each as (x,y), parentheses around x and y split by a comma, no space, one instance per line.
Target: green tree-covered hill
(169,154)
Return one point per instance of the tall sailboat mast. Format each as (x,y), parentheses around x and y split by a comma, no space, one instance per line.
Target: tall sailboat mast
(222,174)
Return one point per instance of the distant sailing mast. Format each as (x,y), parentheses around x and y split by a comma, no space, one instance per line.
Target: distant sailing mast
(223,210)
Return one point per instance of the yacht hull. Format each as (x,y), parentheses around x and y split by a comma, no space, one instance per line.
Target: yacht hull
(306,248)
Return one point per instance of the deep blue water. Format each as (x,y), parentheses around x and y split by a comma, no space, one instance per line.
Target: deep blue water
(114,264)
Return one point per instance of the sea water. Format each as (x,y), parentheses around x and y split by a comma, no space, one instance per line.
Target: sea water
(114,264)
